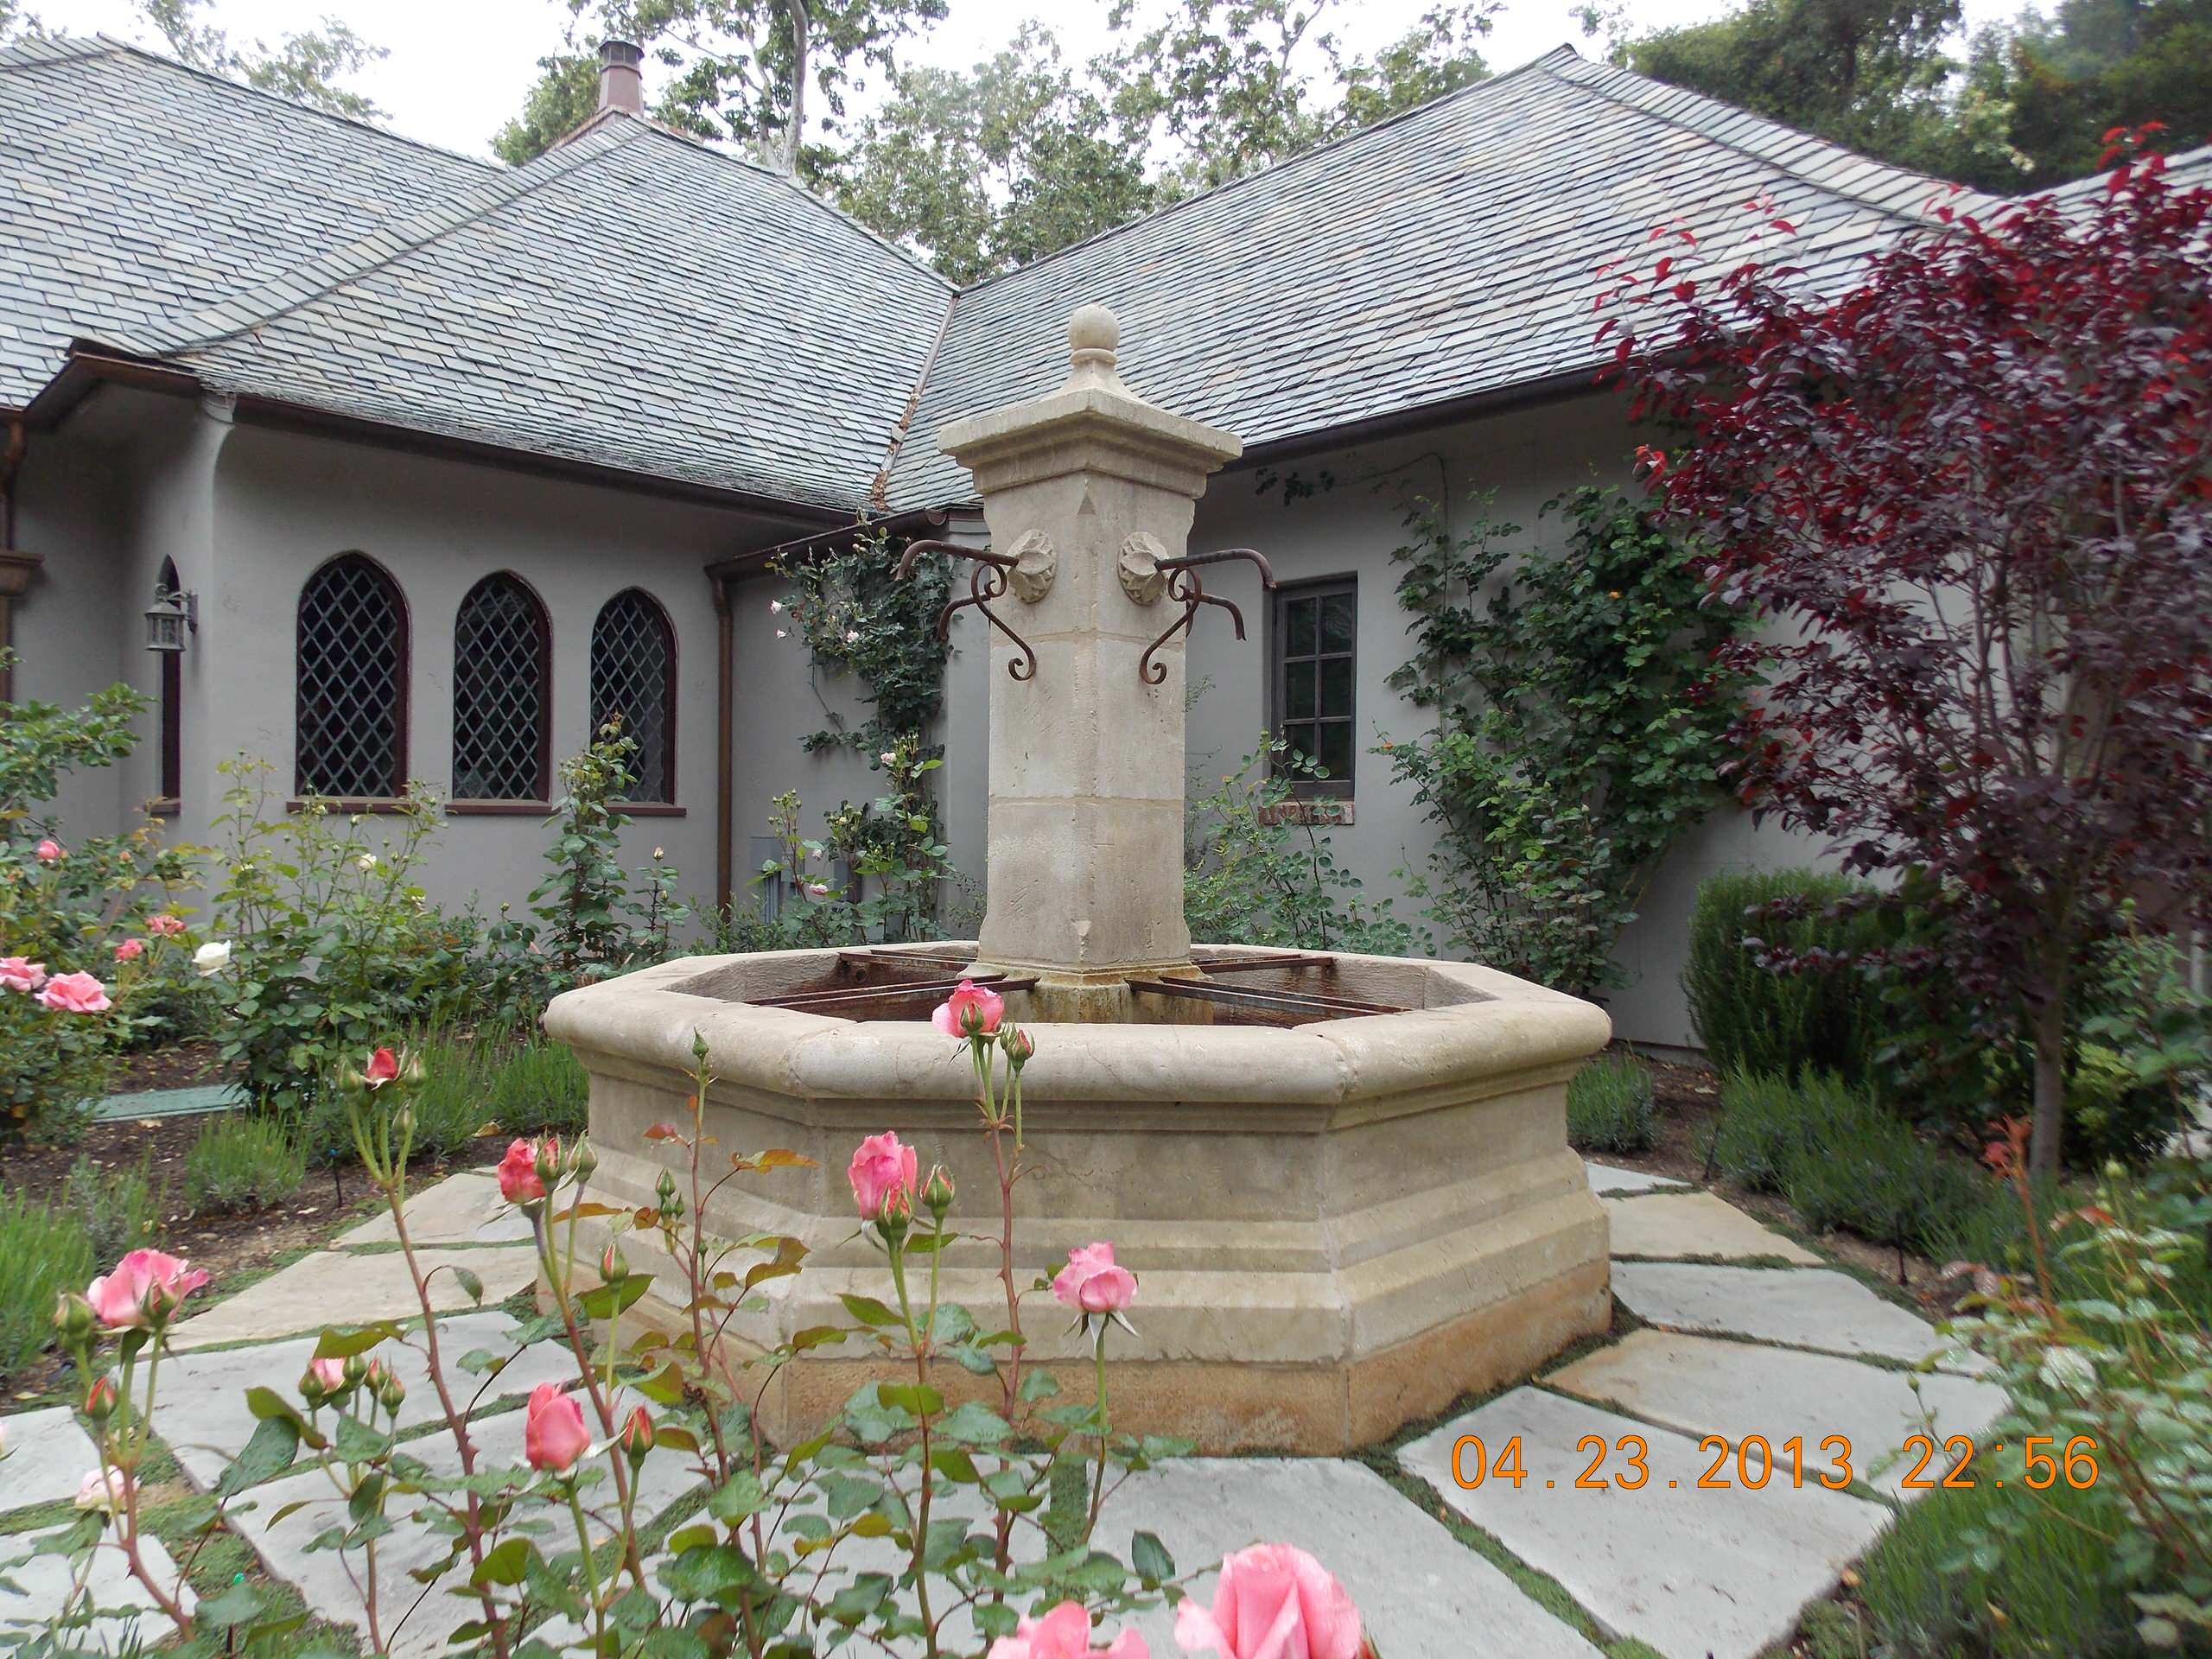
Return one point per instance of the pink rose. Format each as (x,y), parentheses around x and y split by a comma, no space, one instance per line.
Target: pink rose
(106,1491)
(1091,1283)
(49,851)
(144,1289)
(384,1066)
(329,1373)
(553,1434)
(1065,1633)
(75,994)
(21,974)
(1273,1602)
(165,924)
(880,1167)
(130,950)
(973,1010)
(519,1182)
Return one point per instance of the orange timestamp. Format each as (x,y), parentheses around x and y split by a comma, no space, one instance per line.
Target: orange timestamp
(1752,1461)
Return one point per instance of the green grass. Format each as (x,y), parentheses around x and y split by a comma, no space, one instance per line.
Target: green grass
(1754,1019)
(42,1253)
(243,1160)
(120,1210)
(539,1085)
(1610,1107)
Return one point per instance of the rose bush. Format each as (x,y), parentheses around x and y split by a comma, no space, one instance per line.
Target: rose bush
(788,1555)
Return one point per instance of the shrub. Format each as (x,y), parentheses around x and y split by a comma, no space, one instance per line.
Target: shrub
(41,1254)
(243,1160)
(454,1105)
(1757,1019)
(120,1210)
(539,1086)
(1609,1105)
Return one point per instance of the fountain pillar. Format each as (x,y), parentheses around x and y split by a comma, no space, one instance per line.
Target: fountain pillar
(1090,488)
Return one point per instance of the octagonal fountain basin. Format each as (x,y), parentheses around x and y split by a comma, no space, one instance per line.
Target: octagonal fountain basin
(1340,1220)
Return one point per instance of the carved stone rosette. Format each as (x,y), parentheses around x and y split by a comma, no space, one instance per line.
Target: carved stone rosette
(1141,579)
(1036,561)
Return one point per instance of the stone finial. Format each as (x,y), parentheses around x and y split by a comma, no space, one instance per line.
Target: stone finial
(1092,336)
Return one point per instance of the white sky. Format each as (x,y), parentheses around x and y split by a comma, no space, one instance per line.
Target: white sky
(458,69)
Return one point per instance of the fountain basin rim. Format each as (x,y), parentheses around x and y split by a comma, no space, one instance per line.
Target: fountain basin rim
(1505,1028)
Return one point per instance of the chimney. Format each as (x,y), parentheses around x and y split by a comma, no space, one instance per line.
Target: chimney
(621,86)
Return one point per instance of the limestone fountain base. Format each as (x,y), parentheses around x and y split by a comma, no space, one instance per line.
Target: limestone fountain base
(1337,1228)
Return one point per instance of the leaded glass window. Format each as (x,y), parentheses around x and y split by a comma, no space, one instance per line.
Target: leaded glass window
(633,679)
(502,662)
(1316,626)
(352,651)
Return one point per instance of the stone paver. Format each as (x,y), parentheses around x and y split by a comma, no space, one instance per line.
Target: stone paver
(1705,1386)
(48,1456)
(1804,1307)
(1423,1594)
(336,1286)
(1696,1573)
(201,1411)
(1606,1178)
(332,1581)
(1677,1224)
(43,1586)
(464,1209)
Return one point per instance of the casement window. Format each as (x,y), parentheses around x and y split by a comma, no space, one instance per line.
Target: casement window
(171,707)
(351,649)
(1311,642)
(634,677)
(502,694)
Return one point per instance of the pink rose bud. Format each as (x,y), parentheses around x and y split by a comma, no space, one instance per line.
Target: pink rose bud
(49,851)
(106,1491)
(547,1161)
(518,1181)
(1092,1283)
(75,994)
(613,1266)
(972,1010)
(130,950)
(21,974)
(1065,1633)
(383,1067)
(1019,1046)
(937,1192)
(880,1166)
(637,1435)
(144,1289)
(100,1399)
(553,1434)
(1272,1600)
(165,924)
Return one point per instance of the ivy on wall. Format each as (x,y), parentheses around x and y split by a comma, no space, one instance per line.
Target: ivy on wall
(1580,729)
(856,617)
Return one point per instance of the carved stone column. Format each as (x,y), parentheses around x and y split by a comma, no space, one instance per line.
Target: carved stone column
(1090,486)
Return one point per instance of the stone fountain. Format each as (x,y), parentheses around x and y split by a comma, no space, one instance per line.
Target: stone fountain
(1343,1181)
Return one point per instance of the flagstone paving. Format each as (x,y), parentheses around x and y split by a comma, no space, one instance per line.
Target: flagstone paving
(1677,1224)
(41,1587)
(1695,1572)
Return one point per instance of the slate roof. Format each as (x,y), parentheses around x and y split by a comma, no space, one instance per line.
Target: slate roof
(632,299)
(131,187)
(1446,252)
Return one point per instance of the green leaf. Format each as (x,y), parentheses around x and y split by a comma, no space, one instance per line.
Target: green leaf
(343,1343)
(506,1562)
(608,1301)
(269,1451)
(1150,1558)
(1038,1384)
(973,1424)
(868,1310)
(913,1397)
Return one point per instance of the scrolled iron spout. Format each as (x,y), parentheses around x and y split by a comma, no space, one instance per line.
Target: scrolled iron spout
(1184,584)
(987,582)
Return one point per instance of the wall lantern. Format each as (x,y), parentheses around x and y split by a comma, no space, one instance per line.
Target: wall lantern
(172,616)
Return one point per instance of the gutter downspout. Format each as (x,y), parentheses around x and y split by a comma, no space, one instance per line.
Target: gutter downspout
(725,735)
(16,567)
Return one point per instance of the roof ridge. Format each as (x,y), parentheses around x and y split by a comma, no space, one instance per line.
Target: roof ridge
(1283,164)
(304,284)
(776,173)
(112,44)
(1614,72)
(37,51)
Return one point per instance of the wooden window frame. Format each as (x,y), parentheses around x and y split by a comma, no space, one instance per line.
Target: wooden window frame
(540,798)
(1278,664)
(666,804)
(403,700)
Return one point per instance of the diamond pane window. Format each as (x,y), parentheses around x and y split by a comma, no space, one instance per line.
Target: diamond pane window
(352,651)
(502,662)
(1315,627)
(633,678)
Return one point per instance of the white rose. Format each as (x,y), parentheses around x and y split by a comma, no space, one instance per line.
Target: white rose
(852,636)
(103,1491)
(775,607)
(888,758)
(365,861)
(212,958)
(780,634)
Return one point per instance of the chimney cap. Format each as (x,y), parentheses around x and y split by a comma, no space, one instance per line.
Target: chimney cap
(621,54)
(621,83)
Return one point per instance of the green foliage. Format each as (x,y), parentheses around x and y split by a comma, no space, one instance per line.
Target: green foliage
(537,1087)
(333,945)
(43,742)
(2066,79)
(564,96)
(41,1254)
(1818,1012)
(1578,726)
(119,1209)
(1251,876)
(243,1160)
(848,607)
(455,1101)
(305,67)
(595,923)
(1611,1106)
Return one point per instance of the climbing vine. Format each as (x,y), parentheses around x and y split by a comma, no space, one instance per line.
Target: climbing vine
(1580,727)
(855,616)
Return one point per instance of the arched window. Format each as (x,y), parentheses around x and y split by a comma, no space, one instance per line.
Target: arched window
(633,677)
(351,649)
(502,668)
(171,707)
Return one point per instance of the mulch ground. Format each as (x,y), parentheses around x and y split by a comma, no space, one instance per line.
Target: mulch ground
(183,1066)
